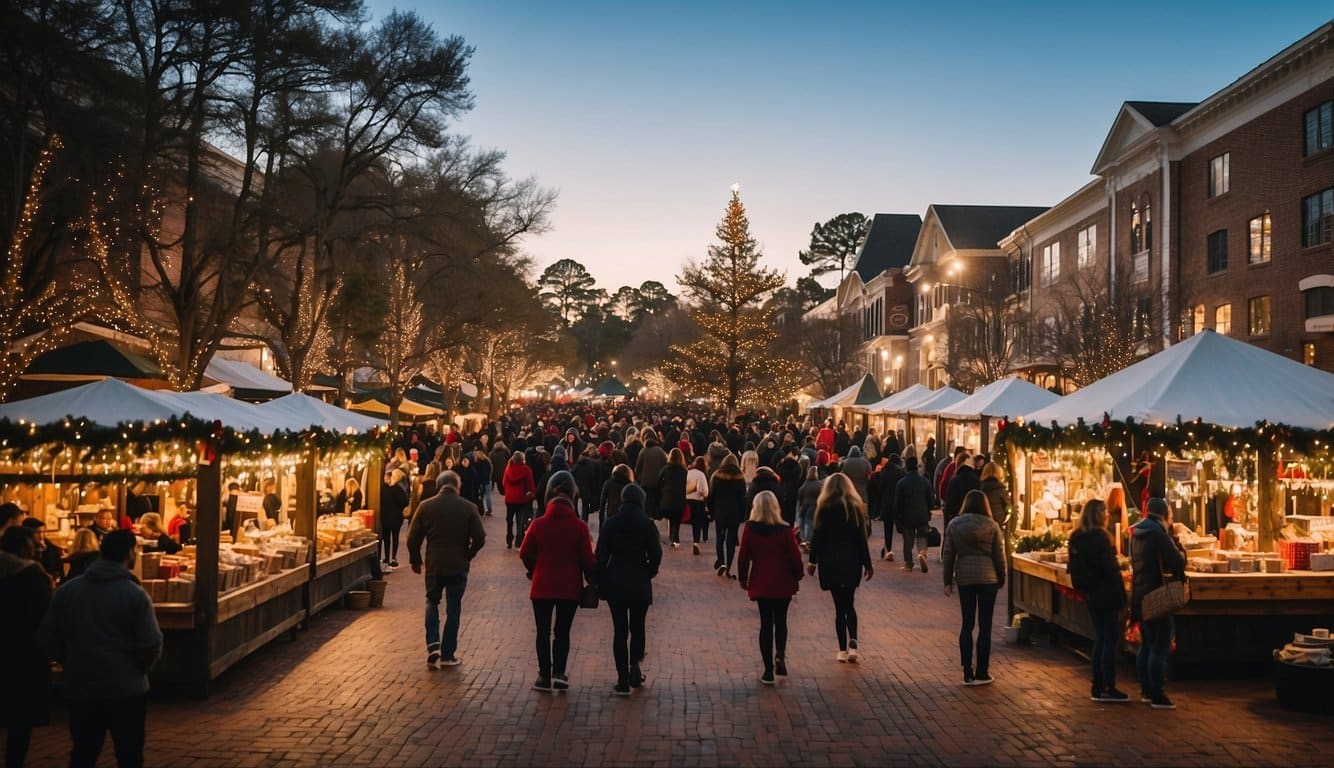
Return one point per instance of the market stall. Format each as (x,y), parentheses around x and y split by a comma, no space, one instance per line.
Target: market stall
(886,413)
(972,421)
(1238,440)
(922,418)
(850,400)
(129,452)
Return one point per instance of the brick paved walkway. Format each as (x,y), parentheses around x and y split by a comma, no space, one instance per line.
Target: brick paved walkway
(353,690)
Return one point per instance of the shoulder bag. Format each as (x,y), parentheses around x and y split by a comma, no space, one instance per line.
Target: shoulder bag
(1166,600)
(588,596)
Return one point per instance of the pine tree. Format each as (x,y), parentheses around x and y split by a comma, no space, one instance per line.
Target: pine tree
(736,361)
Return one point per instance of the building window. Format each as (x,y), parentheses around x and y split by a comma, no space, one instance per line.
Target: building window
(1260,243)
(1217,251)
(1319,129)
(1257,316)
(1023,272)
(1198,325)
(1319,301)
(1318,218)
(1136,229)
(1143,309)
(1141,267)
(1220,171)
(1223,319)
(1088,246)
(1051,263)
(1308,353)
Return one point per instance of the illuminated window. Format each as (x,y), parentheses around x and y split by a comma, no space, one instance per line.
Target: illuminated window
(1088,246)
(1220,172)
(1199,318)
(1308,353)
(1257,316)
(1223,319)
(1260,228)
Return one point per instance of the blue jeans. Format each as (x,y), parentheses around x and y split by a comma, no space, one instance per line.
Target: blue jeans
(1155,644)
(453,587)
(805,522)
(978,603)
(1106,635)
(485,491)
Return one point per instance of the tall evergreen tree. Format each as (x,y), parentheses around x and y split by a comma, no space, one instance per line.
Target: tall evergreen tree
(736,361)
(567,290)
(834,244)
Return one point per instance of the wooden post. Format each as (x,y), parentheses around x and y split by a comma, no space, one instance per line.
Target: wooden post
(374,480)
(1269,503)
(984,445)
(307,497)
(208,523)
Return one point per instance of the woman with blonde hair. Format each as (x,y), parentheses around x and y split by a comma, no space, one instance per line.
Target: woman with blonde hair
(768,568)
(672,493)
(394,500)
(150,527)
(83,552)
(839,550)
(750,464)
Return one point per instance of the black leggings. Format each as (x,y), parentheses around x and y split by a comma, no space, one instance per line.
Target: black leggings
(389,539)
(845,615)
(627,620)
(552,653)
(699,520)
(773,629)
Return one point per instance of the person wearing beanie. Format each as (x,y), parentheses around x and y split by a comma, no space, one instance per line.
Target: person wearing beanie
(628,555)
(1153,552)
(858,470)
(558,553)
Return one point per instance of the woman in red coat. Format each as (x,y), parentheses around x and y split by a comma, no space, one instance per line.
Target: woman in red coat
(769,567)
(558,553)
(520,490)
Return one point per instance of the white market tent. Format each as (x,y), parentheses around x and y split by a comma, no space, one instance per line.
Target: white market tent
(106,403)
(1010,396)
(299,412)
(938,401)
(1210,377)
(244,377)
(899,401)
(843,397)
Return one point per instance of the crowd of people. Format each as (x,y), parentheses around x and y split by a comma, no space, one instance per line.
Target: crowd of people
(782,499)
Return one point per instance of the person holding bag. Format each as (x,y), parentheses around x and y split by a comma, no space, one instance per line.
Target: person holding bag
(1094,572)
(769,569)
(1153,553)
(628,555)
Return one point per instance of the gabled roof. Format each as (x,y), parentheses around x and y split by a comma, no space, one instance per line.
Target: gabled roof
(980,227)
(1161,113)
(889,243)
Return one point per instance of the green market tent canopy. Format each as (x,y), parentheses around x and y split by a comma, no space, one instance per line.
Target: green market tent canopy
(612,387)
(1010,396)
(91,361)
(1210,377)
(860,392)
(868,393)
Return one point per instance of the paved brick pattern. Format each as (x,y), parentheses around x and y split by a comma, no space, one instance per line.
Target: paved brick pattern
(353,690)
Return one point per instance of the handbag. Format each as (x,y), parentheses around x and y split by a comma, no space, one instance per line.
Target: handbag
(1171,597)
(932,535)
(588,596)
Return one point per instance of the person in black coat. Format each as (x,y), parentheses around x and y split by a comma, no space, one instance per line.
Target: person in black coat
(672,493)
(621,476)
(965,479)
(890,475)
(1153,552)
(394,498)
(790,475)
(729,507)
(912,512)
(840,552)
(589,476)
(25,593)
(628,556)
(1094,572)
(766,480)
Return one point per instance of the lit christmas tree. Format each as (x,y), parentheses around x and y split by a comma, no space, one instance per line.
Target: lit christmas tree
(736,362)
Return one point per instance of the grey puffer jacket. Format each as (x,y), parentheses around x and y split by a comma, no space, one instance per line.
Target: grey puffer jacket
(973,551)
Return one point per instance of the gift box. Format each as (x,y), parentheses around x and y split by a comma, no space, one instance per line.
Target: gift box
(1322,561)
(181,591)
(1297,554)
(168,571)
(156,589)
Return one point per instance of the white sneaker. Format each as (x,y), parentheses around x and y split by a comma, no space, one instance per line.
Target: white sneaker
(842,657)
(852,652)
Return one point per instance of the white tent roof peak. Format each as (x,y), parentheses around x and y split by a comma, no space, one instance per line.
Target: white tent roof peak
(939,400)
(1010,396)
(899,401)
(1210,377)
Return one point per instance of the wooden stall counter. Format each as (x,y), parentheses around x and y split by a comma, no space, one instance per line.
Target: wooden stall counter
(1218,625)
(339,573)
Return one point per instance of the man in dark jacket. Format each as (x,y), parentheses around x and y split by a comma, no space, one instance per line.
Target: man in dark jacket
(790,475)
(589,475)
(25,592)
(912,507)
(890,475)
(452,530)
(628,554)
(1153,552)
(728,508)
(648,466)
(102,629)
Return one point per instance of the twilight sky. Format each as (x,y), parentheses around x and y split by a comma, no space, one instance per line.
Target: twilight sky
(642,114)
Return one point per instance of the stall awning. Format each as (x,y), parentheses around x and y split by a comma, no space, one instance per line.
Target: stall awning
(898,402)
(1010,396)
(91,361)
(246,380)
(303,412)
(407,408)
(106,403)
(612,387)
(1210,377)
(862,392)
(939,400)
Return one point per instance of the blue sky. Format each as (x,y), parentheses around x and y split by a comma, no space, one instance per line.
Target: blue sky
(642,115)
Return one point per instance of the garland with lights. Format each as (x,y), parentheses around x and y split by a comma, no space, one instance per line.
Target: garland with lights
(1177,438)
